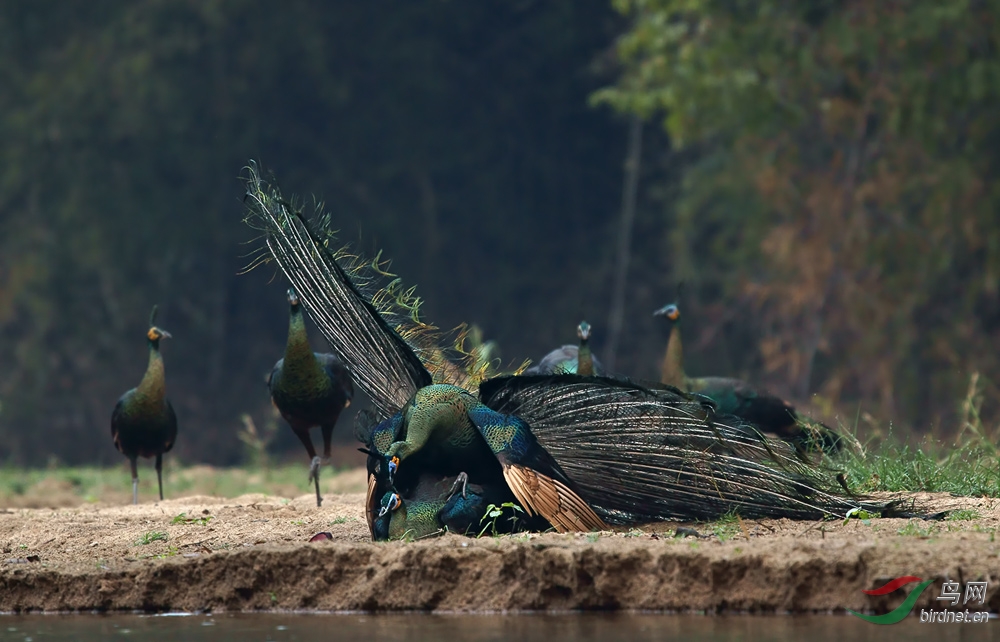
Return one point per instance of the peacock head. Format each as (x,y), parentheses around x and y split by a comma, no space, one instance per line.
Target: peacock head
(293,298)
(583,331)
(671,311)
(155,334)
(391,503)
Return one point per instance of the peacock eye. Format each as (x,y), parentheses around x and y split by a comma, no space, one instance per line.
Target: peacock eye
(394,502)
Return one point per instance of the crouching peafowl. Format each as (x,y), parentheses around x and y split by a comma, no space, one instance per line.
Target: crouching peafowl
(445,428)
(143,423)
(309,389)
(734,396)
(448,504)
(579,452)
(570,359)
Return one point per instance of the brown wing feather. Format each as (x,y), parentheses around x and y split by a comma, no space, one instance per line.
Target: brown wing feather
(370,502)
(551,499)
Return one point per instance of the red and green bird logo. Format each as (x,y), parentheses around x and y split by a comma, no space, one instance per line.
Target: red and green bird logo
(903,609)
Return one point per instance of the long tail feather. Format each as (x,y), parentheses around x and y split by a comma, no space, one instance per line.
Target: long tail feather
(369,318)
(638,454)
(363,318)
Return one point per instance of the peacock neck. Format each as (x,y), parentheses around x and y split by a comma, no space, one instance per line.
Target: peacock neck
(672,372)
(300,362)
(153,384)
(398,523)
(584,360)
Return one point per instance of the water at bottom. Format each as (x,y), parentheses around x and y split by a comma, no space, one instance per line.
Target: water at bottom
(415,627)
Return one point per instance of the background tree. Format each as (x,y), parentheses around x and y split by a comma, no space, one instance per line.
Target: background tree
(457,137)
(838,196)
(824,180)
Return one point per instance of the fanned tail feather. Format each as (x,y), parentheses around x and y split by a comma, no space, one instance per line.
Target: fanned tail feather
(370,320)
(638,454)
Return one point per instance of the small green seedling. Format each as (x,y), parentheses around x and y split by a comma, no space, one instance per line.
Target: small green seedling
(860,513)
(341,520)
(913,529)
(150,537)
(184,519)
(493,513)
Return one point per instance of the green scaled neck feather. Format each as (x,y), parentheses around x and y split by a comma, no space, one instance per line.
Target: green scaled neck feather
(672,368)
(302,372)
(152,390)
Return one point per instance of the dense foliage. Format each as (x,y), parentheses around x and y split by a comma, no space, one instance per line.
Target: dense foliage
(840,190)
(824,182)
(456,136)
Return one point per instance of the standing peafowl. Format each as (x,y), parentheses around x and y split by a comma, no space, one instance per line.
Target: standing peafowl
(309,388)
(570,359)
(143,423)
(579,451)
(737,397)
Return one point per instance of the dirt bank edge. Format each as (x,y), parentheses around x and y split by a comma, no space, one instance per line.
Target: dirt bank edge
(548,572)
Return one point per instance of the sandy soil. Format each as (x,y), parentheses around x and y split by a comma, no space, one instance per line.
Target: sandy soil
(253,553)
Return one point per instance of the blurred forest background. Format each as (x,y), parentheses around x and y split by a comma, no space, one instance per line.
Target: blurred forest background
(823,176)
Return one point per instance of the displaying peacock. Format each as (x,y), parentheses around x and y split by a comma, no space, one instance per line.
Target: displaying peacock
(570,359)
(309,388)
(143,423)
(641,453)
(737,397)
(580,451)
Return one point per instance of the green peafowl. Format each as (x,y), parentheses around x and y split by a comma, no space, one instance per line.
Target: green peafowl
(641,453)
(734,396)
(581,452)
(452,431)
(309,389)
(448,504)
(143,423)
(570,359)
(376,332)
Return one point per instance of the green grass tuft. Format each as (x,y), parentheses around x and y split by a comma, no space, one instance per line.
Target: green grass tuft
(150,537)
(727,527)
(67,486)
(970,470)
(963,515)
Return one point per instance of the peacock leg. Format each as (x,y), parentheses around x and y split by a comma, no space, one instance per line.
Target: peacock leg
(314,475)
(135,480)
(327,430)
(159,473)
(463,481)
(303,435)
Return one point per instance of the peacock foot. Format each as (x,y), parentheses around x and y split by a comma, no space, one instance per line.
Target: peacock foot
(462,480)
